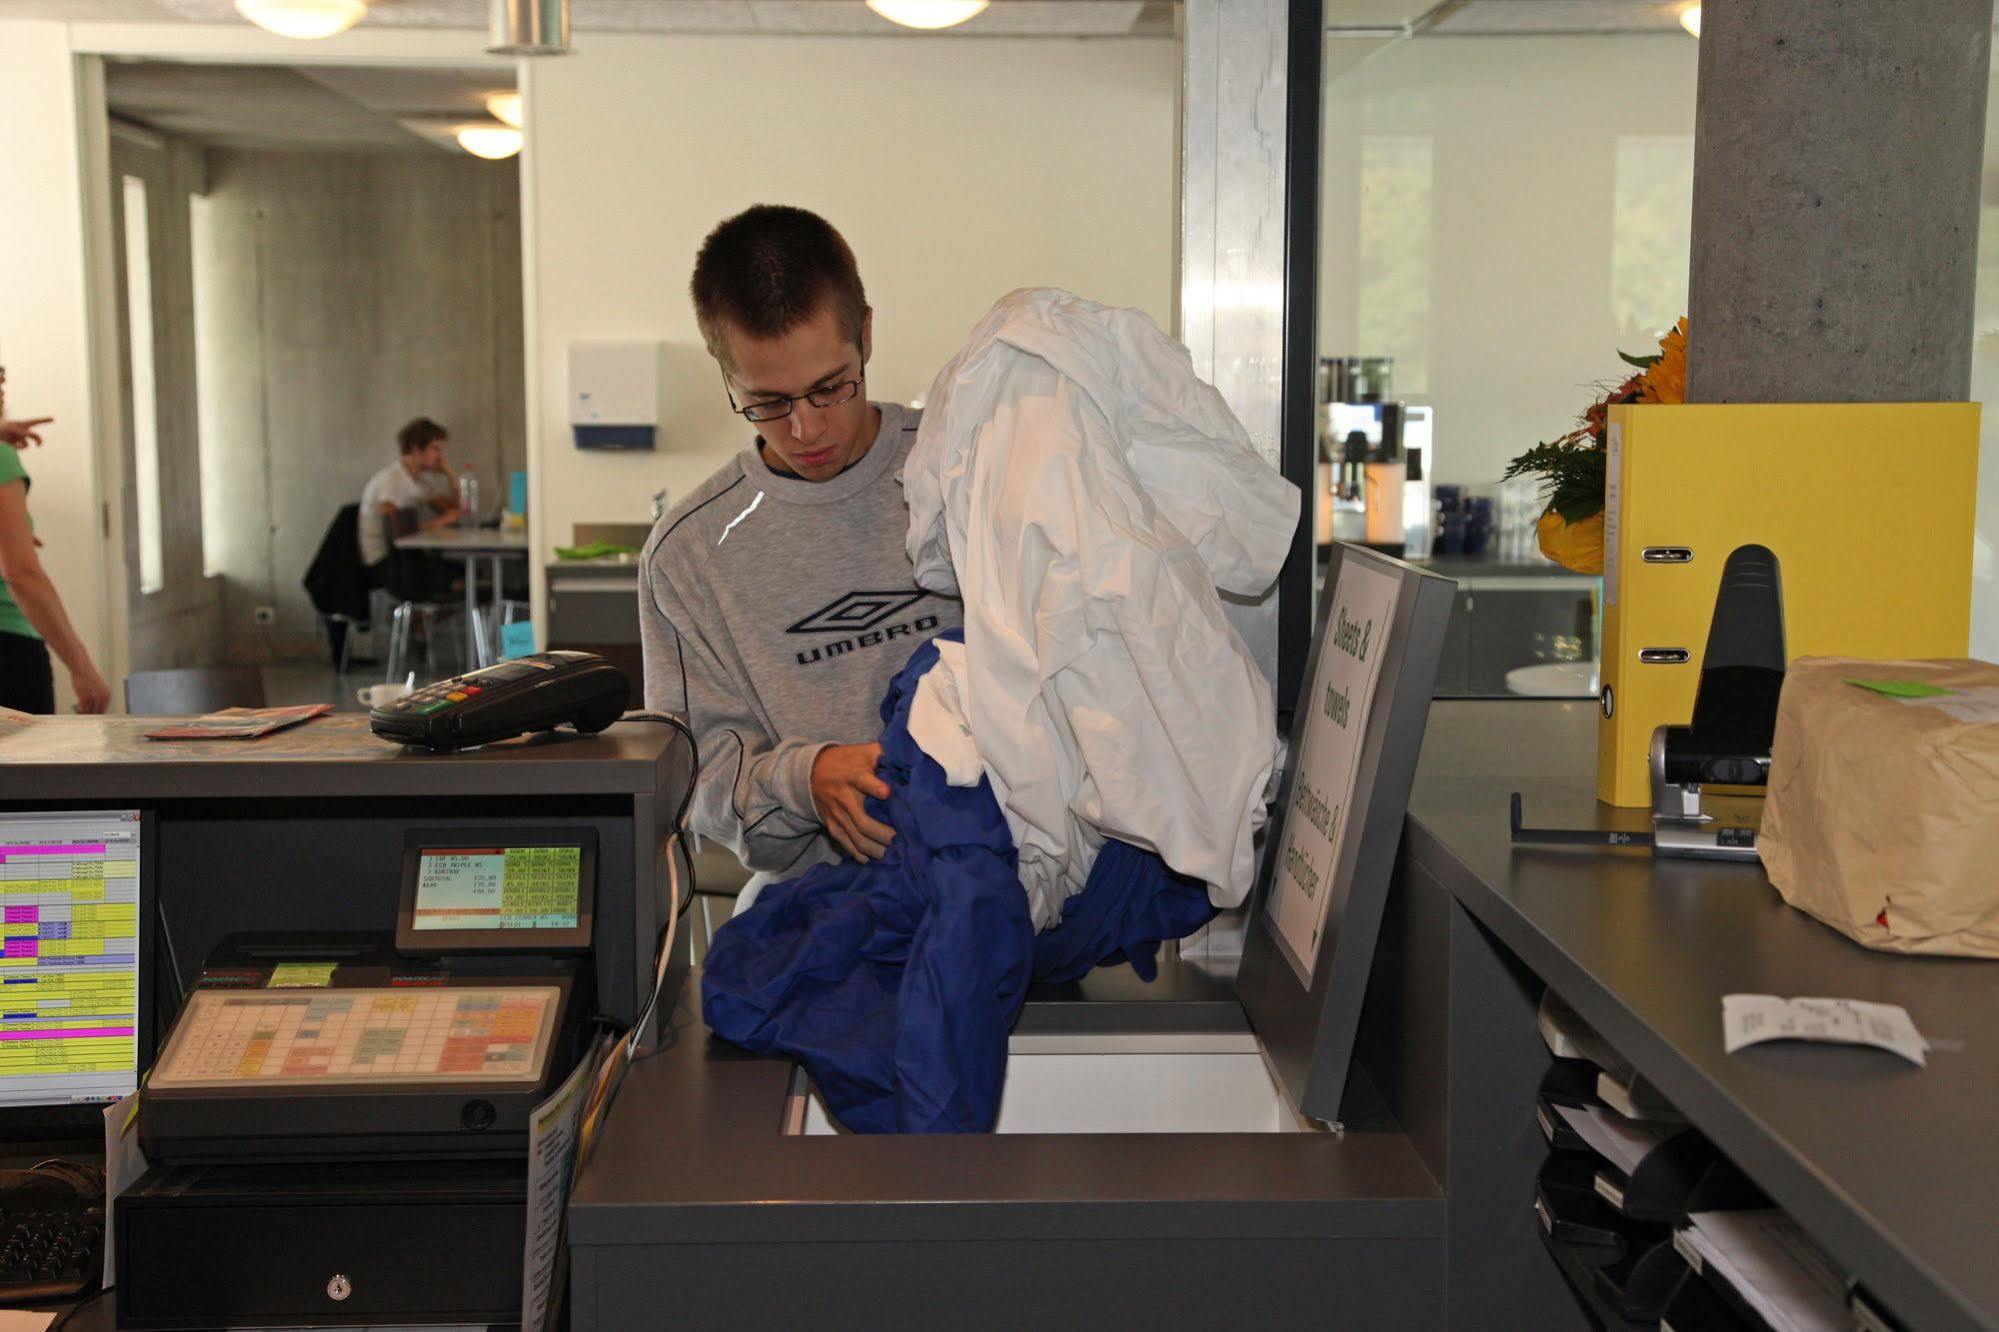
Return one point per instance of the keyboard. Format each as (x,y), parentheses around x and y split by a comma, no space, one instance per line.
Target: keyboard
(51,1242)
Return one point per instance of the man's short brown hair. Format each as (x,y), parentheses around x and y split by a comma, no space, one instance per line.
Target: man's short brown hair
(419,434)
(768,269)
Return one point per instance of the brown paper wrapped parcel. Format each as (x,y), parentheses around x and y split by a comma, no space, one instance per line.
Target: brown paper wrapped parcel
(1883,812)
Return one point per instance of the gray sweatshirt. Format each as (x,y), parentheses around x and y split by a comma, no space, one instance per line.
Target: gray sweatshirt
(773,612)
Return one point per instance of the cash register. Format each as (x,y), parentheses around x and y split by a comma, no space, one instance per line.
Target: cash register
(437,1042)
(350,1112)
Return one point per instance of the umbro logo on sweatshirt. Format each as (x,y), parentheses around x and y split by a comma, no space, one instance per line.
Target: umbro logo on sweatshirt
(861,615)
(856,611)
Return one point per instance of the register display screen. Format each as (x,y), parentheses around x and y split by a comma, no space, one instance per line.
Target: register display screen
(501,889)
(498,888)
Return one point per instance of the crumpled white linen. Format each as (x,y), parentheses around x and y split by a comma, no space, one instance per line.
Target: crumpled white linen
(1086,494)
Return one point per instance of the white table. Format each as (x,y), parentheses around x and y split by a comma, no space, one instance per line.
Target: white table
(471,544)
(1556,679)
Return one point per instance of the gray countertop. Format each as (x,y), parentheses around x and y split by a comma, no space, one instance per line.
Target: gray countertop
(607,564)
(1891,1167)
(109,758)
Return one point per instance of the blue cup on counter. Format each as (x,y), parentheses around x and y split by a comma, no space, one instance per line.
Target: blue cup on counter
(1451,533)
(1451,521)
(1478,524)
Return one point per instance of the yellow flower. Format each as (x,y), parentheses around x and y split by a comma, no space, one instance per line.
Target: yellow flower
(1574,546)
(1666,381)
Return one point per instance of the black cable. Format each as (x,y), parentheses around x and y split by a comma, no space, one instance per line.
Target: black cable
(660,963)
(676,842)
(83,1177)
(78,1308)
(173,960)
(679,819)
(669,1036)
(693,748)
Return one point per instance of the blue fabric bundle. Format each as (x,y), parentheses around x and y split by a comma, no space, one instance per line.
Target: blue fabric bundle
(896,982)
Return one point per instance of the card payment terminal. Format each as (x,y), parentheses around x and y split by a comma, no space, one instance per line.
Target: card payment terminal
(437,1043)
(537,693)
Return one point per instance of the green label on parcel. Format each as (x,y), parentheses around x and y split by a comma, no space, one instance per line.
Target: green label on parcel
(1903,688)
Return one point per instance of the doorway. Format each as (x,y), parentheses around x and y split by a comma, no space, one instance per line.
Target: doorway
(306,260)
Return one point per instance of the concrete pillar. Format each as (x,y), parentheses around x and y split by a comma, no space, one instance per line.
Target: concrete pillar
(1838,151)
(1232,157)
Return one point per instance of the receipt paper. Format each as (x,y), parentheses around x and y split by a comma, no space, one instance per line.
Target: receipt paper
(1750,1019)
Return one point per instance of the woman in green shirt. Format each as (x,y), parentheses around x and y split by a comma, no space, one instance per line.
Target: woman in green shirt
(32,619)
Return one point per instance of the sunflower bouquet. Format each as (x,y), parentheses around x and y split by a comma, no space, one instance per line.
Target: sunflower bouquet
(1572,468)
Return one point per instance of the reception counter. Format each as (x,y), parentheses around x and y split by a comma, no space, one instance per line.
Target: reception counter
(1887,1166)
(698,1206)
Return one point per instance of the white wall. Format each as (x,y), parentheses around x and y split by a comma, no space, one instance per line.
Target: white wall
(1502,215)
(957,169)
(44,329)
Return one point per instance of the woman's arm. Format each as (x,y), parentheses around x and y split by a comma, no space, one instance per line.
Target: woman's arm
(20,434)
(37,597)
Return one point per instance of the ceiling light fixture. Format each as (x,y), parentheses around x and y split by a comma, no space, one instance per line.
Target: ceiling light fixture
(1690,19)
(506,106)
(492,142)
(306,20)
(928,14)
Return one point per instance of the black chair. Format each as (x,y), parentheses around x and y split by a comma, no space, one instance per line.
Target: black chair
(193,691)
(340,585)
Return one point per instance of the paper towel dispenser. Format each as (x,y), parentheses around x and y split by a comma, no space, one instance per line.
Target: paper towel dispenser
(614,394)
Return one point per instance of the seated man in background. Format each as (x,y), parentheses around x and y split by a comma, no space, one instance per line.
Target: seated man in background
(404,493)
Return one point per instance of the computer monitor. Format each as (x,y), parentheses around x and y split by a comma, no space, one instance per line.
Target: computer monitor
(75,893)
(497,890)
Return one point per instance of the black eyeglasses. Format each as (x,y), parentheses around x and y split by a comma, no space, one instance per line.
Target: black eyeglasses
(779,407)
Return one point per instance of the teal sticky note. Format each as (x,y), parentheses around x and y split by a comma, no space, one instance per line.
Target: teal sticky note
(517,639)
(1903,688)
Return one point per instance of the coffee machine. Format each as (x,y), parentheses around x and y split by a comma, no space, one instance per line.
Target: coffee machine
(1374,464)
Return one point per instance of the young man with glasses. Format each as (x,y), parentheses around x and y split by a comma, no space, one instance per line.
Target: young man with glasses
(777,601)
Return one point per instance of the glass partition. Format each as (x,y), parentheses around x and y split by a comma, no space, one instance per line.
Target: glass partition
(1505,206)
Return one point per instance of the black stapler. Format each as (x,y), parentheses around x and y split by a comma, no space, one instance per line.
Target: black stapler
(1728,741)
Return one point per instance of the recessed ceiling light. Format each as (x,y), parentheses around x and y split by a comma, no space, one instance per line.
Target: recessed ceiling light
(303,19)
(927,13)
(1690,19)
(492,142)
(506,106)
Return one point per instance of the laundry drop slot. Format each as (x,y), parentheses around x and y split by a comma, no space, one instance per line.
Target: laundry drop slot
(1093,1082)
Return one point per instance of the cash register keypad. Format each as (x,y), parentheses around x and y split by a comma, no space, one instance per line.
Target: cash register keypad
(330,1037)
